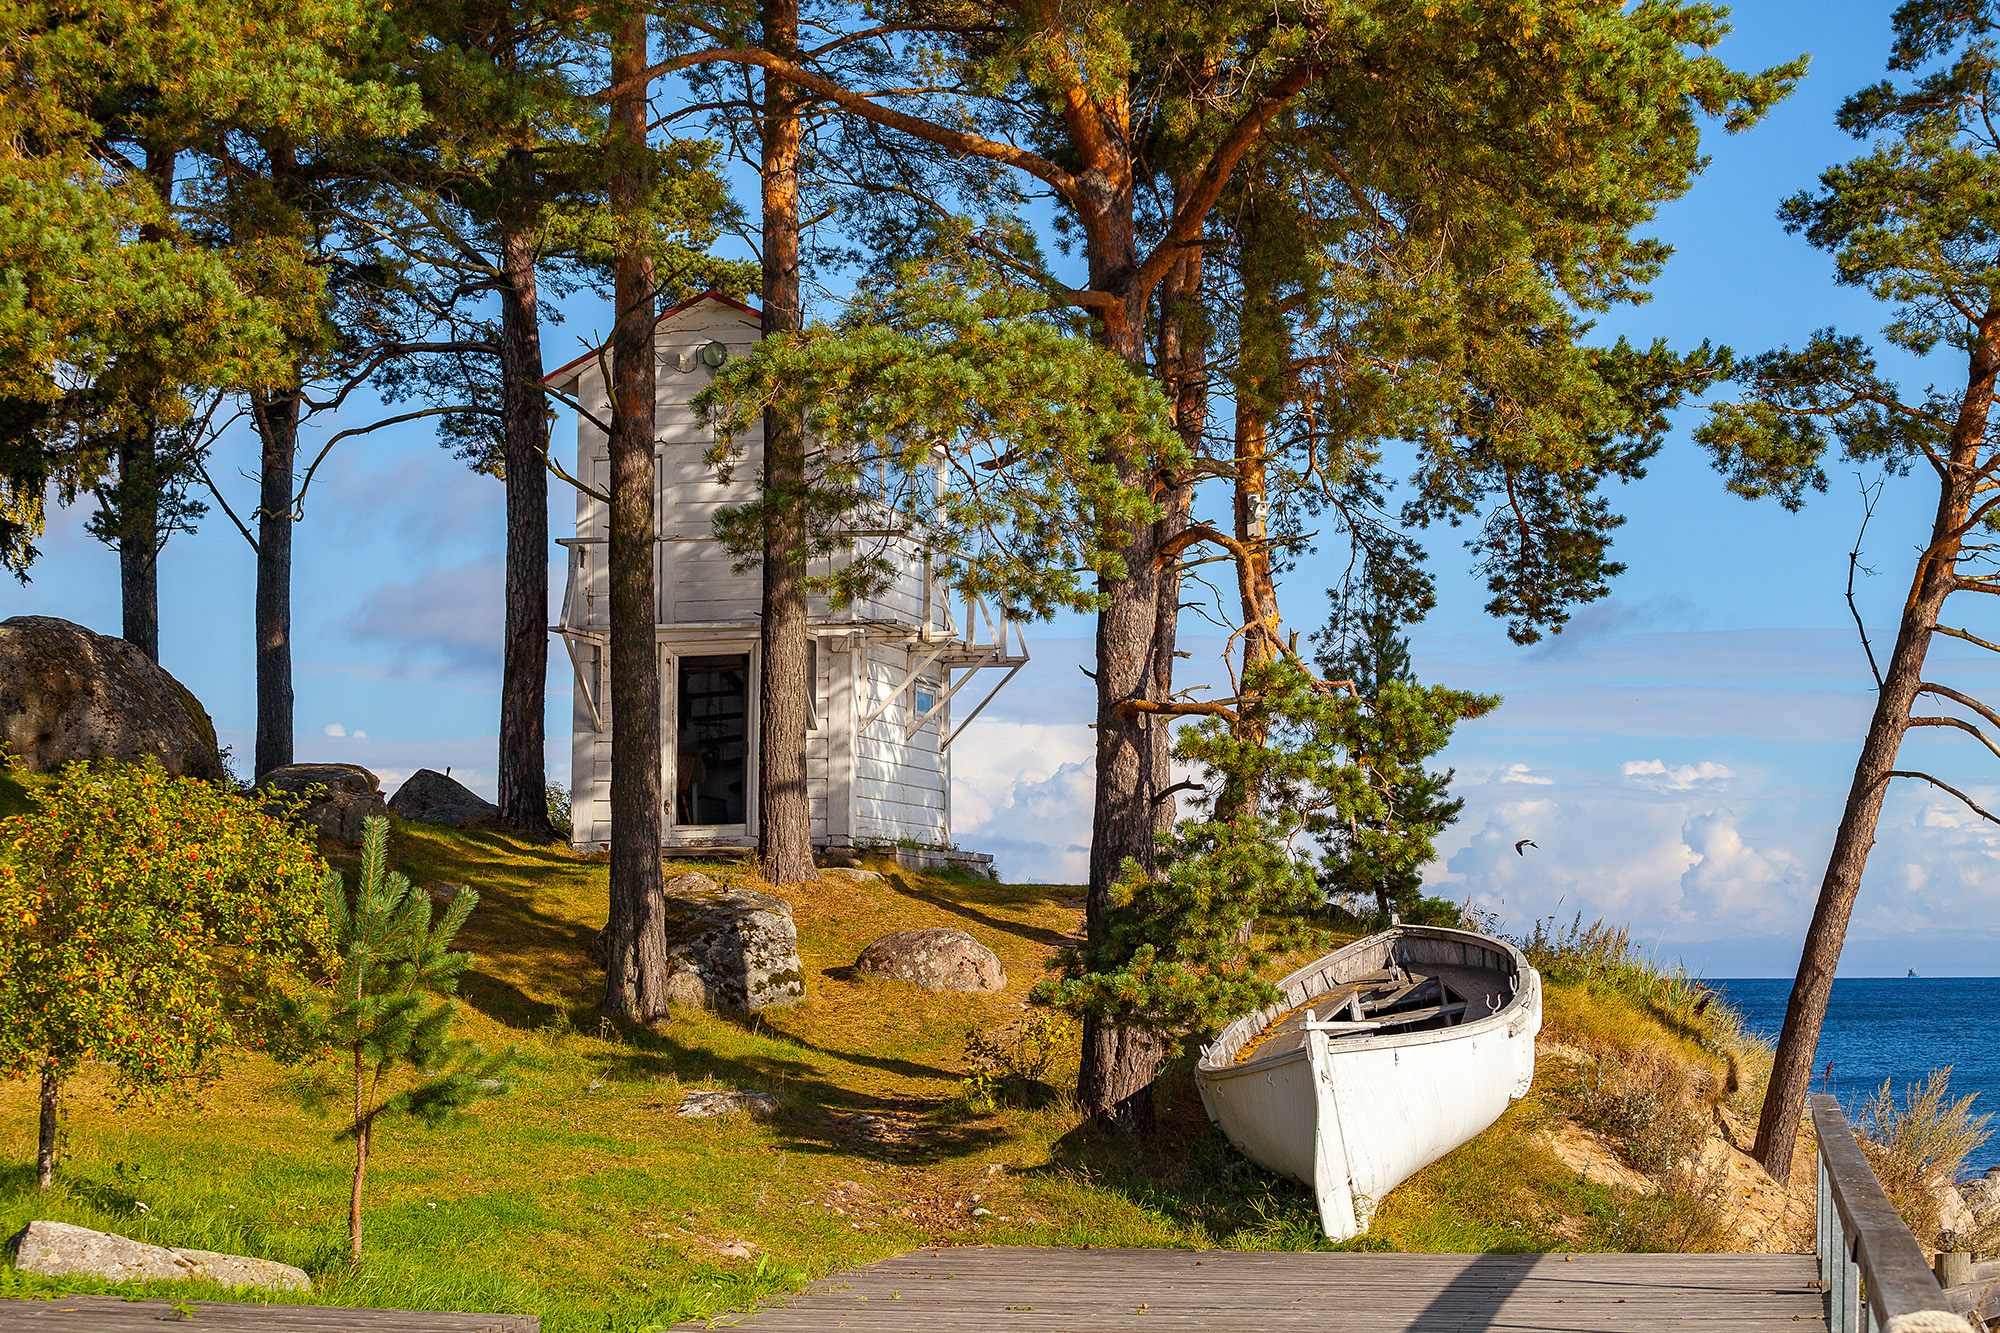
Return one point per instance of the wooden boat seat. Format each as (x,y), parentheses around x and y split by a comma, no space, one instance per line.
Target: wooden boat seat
(1452,992)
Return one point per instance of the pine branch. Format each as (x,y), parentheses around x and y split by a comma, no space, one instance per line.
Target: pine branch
(1944,786)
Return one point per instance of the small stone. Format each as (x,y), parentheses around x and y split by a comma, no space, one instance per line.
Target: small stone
(57,1249)
(851,874)
(982,1212)
(594,1086)
(735,1249)
(996,1169)
(935,958)
(698,1103)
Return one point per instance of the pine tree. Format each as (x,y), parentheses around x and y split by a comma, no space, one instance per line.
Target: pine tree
(380,1015)
(1911,222)
(1382,855)
(1452,98)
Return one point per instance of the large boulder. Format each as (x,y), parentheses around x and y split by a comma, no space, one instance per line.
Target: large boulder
(57,1249)
(935,958)
(732,948)
(338,797)
(67,693)
(433,798)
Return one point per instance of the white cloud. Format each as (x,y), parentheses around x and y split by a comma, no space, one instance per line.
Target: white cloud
(360,735)
(1023,792)
(335,729)
(1521,773)
(1683,778)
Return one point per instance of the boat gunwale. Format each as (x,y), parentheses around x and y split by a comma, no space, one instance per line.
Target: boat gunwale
(1208,1071)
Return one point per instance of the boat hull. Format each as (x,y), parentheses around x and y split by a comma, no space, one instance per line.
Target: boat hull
(1355,1115)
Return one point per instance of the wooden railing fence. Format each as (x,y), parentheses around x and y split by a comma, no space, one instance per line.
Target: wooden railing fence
(1873,1270)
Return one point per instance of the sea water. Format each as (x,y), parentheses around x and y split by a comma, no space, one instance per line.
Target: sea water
(1897,1029)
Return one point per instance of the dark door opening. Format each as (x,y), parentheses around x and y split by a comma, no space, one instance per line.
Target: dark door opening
(712,740)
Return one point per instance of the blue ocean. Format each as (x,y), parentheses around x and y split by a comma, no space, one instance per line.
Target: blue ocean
(1894,1028)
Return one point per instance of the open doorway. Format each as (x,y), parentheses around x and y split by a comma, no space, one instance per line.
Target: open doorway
(712,741)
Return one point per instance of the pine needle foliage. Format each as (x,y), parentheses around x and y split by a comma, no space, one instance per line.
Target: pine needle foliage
(953,414)
(1188,947)
(390,1010)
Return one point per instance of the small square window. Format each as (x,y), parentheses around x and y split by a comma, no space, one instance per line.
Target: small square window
(924,701)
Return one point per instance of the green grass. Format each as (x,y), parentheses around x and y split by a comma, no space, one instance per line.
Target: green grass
(582,1198)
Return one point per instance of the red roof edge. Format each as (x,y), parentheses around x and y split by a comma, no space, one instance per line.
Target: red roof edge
(672,310)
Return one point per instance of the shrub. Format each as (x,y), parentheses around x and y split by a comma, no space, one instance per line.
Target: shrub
(1918,1147)
(1651,1104)
(1012,1068)
(150,922)
(560,818)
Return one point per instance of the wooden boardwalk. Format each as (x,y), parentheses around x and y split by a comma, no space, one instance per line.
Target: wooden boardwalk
(115,1314)
(1023,1290)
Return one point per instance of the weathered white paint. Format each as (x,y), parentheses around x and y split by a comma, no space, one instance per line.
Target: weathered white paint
(871,776)
(1355,1115)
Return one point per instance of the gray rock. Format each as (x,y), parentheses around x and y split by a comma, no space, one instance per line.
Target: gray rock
(67,693)
(57,1249)
(338,796)
(432,798)
(851,874)
(699,1103)
(935,958)
(730,948)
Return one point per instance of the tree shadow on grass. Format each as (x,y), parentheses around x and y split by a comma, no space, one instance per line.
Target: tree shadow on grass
(817,1114)
(1048,939)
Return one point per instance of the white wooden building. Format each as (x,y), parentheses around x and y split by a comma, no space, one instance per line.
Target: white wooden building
(887,671)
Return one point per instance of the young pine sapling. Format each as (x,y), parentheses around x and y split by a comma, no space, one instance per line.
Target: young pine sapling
(390,1009)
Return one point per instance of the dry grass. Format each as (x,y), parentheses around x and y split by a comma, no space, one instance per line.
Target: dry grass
(1918,1147)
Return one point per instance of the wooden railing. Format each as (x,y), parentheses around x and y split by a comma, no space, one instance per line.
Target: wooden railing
(1872,1268)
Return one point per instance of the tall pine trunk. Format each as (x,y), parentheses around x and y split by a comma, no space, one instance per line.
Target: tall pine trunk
(277,417)
(784,811)
(139,537)
(1936,576)
(45,1138)
(524,795)
(635,938)
(139,472)
(1115,1082)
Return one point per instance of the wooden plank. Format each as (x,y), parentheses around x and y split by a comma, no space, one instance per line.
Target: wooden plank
(114,1314)
(1021,1290)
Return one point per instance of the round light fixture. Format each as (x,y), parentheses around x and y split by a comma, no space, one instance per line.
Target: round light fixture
(714,355)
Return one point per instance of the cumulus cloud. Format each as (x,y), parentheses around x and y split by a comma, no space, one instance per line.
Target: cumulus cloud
(1023,792)
(1682,778)
(335,729)
(1521,773)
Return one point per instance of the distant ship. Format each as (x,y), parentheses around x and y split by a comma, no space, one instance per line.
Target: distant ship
(1913,972)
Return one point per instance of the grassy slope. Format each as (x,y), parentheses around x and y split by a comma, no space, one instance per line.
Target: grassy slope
(584,1199)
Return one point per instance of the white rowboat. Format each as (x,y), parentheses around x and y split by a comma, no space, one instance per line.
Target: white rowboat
(1380,1058)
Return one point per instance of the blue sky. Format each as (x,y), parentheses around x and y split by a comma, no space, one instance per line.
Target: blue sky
(1680,755)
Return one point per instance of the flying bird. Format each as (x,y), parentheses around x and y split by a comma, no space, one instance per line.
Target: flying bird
(1525,842)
